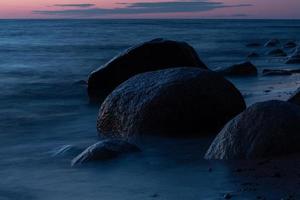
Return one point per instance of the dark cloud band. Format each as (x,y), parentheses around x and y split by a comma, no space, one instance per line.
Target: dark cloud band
(83,5)
(190,6)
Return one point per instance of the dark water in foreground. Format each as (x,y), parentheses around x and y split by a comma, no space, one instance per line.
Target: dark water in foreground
(41,109)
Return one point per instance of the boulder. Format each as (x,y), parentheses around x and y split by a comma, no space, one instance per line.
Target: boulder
(105,150)
(295,98)
(171,102)
(272,43)
(277,53)
(149,56)
(290,45)
(294,58)
(264,130)
(242,69)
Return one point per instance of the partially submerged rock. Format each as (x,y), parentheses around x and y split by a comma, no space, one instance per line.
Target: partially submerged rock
(272,43)
(290,45)
(253,45)
(267,129)
(295,98)
(277,53)
(105,150)
(80,82)
(276,72)
(253,55)
(242,69)
(153,55)
(294,58)
(174,102)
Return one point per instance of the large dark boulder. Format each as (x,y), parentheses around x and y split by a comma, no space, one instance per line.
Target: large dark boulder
(173,102)
(241,69)
(149,56)
(295,98)
(105,150)
(266,129)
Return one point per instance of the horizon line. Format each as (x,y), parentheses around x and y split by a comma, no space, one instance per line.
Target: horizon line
(150,19)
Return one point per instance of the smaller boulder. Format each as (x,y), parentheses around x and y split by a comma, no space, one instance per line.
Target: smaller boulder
(277,53)
(290,45)
(253,45)
(294,58)
(242,69)
(105,150)
(272,43)
(264,130)
(295,98)
(276,72)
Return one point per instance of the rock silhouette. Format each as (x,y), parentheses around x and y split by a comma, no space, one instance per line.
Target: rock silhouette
(153,55)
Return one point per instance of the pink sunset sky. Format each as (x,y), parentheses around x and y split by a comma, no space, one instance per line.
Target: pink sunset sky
(274,9)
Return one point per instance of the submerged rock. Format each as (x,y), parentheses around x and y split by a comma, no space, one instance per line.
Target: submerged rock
(253,45)
(105,150)
(272,43)
(266,129)
(277,53)
(173,102)
(81,82)
(294,58)
(295,98)
(276,72)
(242,69)
(290,45)
(149,56)
(253,55)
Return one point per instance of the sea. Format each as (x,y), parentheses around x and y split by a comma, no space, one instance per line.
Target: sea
(46,118)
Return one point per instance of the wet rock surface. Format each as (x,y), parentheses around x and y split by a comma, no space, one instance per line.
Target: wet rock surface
(241,69)
(105,150)
(267,129)
(173,102)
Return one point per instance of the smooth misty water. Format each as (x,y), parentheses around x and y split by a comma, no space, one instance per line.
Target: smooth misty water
(41,109)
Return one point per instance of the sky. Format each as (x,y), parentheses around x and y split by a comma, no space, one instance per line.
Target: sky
(242,9)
